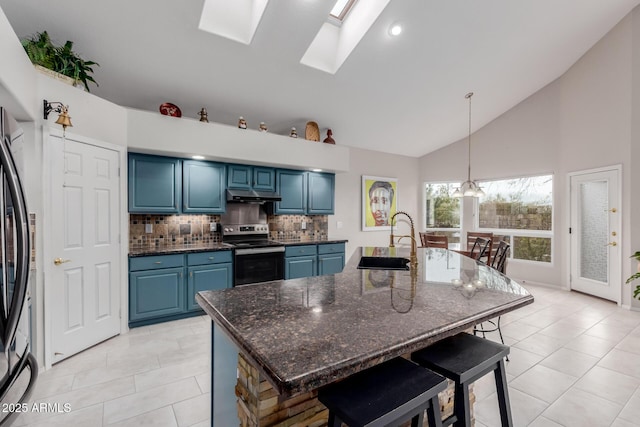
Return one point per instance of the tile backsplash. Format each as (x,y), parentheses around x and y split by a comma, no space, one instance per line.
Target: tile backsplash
(178,230)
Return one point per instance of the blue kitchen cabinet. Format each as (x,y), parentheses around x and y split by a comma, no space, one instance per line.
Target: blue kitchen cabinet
(321,191)
(300,261)
(330,258)
(203,187)
(292,186)
(155,184)
(305,193)
(264,179)
(246,177)
(163,287)
(156,293)
(207,271)
(239,176)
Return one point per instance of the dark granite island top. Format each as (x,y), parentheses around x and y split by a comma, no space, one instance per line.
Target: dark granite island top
(304,333)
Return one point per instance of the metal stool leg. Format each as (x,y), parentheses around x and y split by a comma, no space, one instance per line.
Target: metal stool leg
(503,395)
(418,420)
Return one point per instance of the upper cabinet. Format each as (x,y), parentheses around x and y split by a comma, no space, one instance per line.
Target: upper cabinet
(166,185)
(310,193)
(321,193)
(203,189)
(264,179)
(251,177)
(155,184)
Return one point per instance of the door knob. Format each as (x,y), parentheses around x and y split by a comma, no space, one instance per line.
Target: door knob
(612,244)
(59,261)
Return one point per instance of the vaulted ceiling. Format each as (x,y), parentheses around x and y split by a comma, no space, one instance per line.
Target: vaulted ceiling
(401,94)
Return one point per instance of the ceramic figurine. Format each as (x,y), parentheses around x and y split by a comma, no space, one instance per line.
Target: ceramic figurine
(293,133)
(242,123)
(328,139)
(263,127)
(203,115)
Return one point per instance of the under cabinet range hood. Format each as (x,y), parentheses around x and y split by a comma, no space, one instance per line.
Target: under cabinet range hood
(252,196)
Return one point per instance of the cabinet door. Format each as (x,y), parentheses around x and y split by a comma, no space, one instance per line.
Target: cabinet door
(302,266)
(205,278)
(155,184)
(321,193)
(239,176)
(264,179)
(292,186)
(156,293)
(330,263)
(204,187)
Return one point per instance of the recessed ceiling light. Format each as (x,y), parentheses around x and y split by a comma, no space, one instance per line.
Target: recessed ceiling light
(316,170)
(197,157)
(395,29)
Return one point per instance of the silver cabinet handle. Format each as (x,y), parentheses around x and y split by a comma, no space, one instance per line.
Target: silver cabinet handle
(158,262)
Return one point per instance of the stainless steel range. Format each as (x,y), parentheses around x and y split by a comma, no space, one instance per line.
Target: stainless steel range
(257,259)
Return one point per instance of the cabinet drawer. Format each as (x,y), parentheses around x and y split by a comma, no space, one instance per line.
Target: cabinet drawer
(331,248)
(204,258)
(302,250)
(155,262)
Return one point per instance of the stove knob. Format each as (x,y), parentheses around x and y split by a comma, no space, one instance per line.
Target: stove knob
(231,229)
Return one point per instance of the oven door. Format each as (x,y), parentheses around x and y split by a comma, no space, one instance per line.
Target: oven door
(258,265)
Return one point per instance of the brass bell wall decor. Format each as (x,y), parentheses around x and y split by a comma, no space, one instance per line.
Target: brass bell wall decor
(63,110)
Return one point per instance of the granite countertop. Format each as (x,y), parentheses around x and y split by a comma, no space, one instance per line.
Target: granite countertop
(146,250)
(305,333)
(291,242)
(136,251)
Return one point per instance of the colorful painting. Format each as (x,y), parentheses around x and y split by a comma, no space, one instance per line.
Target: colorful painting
(379,202)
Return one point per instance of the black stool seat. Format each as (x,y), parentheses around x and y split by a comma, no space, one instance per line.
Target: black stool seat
(465,358)
(385,395)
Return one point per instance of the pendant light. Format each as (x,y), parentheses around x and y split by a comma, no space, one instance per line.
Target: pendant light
(469,188)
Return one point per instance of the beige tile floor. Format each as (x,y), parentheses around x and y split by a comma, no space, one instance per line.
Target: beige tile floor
(575,361)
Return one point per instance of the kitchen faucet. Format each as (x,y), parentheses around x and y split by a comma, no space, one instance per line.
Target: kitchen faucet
(413,258)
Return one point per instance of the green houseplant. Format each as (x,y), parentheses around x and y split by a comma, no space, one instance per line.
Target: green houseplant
(61,59)
(635,276)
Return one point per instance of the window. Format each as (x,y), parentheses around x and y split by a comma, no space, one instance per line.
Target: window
(520,210)
(442,210)
(341,9)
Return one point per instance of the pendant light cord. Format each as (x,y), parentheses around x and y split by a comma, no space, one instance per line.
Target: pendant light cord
(468,96)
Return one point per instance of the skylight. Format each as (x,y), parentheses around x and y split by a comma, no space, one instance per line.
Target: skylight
(341,8)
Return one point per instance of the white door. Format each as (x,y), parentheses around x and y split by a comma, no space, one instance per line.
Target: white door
(86,266)
(595,234)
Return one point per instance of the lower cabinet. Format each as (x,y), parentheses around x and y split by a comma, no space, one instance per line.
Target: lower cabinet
(313,260)
(163,287)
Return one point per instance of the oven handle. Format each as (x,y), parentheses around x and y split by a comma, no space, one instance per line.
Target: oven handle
(253,251)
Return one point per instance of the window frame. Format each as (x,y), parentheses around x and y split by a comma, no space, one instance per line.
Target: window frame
(339,19)
(424,206)
(518,232)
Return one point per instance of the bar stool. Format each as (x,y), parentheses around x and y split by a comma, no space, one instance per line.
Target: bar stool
(464,358)
(385,395)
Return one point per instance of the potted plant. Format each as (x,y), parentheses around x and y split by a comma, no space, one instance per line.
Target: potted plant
(60,59)
(636,275)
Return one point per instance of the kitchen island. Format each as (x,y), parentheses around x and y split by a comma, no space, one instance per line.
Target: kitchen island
(294,336)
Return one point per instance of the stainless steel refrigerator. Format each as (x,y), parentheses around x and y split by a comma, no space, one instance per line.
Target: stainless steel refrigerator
(18,367)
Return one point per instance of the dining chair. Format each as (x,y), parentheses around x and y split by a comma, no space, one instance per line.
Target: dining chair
(500,264)
(471,239)
(480,248)
(499,261)
(423,237)
(436,241)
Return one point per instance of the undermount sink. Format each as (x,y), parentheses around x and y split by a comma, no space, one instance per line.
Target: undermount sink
(383,263)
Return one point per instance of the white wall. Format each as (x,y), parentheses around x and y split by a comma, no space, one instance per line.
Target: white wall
(580,121)
(349,196)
